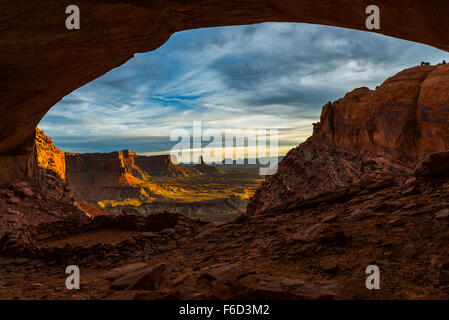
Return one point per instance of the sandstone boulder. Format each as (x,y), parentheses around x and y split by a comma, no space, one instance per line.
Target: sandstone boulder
(433,164)
(148,278)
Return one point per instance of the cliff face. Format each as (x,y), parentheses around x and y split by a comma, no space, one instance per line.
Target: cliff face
(122,180)
(365,136)
(89,174)
(49,156)
(406,117)
(98,176)
(123,175)
(163,166)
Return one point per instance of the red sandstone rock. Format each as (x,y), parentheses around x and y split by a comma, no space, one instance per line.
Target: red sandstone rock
(121,175)
(13,200)
(162,166)
(364,137)
(443,214)
(48,155)
(148,278)
(288,256)
(404,118)
(433,164)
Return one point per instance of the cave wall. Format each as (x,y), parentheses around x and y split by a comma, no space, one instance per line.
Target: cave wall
(41,61)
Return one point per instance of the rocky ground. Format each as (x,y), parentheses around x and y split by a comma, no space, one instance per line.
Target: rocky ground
(316,167)
(29,211)
(314,250)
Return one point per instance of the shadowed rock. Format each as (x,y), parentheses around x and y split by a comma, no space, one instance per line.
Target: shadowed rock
(433,164)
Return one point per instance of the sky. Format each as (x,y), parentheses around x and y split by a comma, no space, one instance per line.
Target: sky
(270,75)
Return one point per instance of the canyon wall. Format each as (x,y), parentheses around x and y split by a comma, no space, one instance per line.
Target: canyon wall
(123,180)
(163,166)
(91,174)
(120,175)
(42,61)
(48,155)
(369,135)
(406,117)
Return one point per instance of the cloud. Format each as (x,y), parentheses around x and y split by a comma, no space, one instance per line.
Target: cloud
(87,143)
(64,120)
(271,75)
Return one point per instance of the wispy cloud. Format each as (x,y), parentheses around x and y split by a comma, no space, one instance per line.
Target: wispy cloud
(272,75)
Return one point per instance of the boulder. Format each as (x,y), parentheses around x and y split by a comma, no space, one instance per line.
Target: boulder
(27,192)
(13,200)
(442,214)
(44,236)
(329,266)
(21,184)
(225,273)
(148,278)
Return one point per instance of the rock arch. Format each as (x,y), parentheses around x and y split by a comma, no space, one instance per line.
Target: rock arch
(41,61)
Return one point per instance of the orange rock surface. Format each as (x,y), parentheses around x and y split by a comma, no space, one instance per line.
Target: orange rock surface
(49,156)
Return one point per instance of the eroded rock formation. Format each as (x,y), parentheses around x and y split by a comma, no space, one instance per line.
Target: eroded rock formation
(406,117)
(122,175)
(42,61)
(369,135)
(163,166)
(48,155)
(124,181)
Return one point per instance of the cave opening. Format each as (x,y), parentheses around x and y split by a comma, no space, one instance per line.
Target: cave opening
(117,133)
(365,192)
